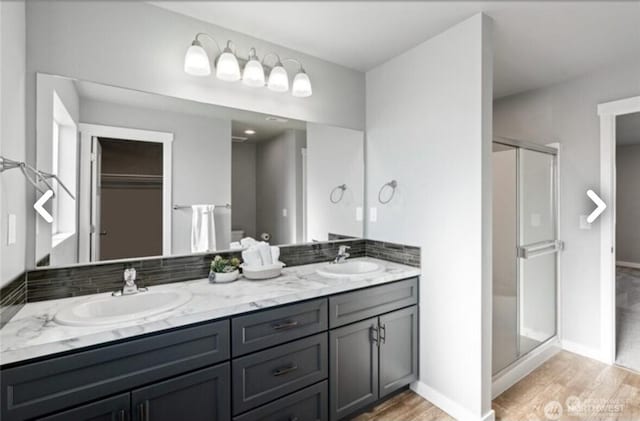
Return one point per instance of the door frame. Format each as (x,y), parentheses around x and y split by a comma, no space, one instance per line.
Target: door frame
(608,112)
(87,132)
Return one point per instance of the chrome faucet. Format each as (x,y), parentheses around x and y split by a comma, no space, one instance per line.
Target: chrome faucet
(342,254)
(130,286)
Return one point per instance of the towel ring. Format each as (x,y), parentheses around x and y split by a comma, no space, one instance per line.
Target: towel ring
(340,188)
(392,184)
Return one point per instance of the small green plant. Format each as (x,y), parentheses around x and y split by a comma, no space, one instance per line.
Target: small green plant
(221,265)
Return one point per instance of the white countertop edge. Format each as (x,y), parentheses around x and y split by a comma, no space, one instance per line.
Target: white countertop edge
(32,333)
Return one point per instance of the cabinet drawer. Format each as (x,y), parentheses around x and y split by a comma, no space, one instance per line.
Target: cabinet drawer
(359,305)
(309,404)
(264,376)
(51,385)
(272,327)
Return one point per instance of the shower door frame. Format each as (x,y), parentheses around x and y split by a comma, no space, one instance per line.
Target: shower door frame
(553,150)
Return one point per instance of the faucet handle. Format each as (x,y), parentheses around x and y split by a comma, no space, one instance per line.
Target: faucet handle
(343,249)
(129,276)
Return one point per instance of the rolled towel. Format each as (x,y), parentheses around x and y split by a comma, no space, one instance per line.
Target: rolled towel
(235,245)
(251,257)
(265,253)
(248,242)
(275,254)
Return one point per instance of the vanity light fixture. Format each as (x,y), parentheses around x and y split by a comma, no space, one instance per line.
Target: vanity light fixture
(249,131)
(253,73)
(196,63)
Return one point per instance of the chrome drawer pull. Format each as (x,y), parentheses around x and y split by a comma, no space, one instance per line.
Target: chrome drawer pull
(285,325)
(374,335)
(284,370)
(293,418)
(383,334)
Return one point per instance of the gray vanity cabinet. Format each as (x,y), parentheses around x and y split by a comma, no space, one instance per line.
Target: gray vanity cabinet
(371,359)
(115,408)
(398,349)
(353,367)
(199,396)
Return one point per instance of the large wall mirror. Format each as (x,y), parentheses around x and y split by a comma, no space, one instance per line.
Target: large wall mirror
(142,174)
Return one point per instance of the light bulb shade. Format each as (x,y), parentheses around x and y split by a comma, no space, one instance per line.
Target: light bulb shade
(301,85)
(253,74)
(278,79)
(196,61)
(228,68)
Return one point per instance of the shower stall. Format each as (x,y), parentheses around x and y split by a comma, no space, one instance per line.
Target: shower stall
(525,249)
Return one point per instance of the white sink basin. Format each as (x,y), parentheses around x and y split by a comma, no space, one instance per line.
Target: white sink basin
(106,309)
(350,269)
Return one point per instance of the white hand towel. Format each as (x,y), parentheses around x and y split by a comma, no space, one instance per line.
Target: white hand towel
(275,254)
(265,253)
(251,257)
(248,242)
(203,229)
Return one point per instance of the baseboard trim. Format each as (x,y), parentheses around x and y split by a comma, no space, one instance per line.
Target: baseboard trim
(585,351)
(632,265)
(447,405)
(523,367)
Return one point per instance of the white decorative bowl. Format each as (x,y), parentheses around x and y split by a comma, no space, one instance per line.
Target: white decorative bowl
(223,277)
(262,272)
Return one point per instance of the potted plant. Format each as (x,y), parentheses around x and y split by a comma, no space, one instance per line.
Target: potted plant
(224,270)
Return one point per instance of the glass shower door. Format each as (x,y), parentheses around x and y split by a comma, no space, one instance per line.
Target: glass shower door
(538,247)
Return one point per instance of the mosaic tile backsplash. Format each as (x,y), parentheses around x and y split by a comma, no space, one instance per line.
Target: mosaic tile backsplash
(54,283)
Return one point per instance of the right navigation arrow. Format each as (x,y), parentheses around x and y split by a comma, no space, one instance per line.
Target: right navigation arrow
(600,206)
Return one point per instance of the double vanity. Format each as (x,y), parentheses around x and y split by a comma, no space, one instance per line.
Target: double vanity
(320,342)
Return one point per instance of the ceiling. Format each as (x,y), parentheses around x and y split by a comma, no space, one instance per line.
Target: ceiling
(537,43)
(240,119)
(628,129)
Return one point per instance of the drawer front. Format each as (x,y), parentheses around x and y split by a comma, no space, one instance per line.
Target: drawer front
(264,376)
(272,327)
(44,387)
(359,305)
(309,404)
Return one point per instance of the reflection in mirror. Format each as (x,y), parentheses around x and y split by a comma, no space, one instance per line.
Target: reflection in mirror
(152,175)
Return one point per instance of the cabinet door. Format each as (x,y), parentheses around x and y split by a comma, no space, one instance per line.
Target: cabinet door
(398,349)
(199,396)
(115,408)
(354,367)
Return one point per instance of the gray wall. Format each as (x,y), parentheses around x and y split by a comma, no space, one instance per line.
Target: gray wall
(566,113)
(243,187)
(139,46)
(628,204)
(278,177)
(12,136)
(429,127)
(201,158)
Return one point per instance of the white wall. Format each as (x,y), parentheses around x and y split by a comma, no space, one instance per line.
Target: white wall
(429,127)
(566,113)
(335,156)
(277,180)
(12,136)
(201,152)
(628,204)
(243,187)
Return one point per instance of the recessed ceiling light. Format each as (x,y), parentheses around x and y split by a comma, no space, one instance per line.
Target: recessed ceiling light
(276,119)
(249,131)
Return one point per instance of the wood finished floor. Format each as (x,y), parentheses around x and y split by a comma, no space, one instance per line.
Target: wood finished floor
(605,392)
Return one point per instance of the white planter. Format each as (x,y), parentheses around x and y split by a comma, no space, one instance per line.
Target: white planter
(223,277)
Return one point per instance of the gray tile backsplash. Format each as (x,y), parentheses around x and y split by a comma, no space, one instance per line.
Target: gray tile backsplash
(53,283)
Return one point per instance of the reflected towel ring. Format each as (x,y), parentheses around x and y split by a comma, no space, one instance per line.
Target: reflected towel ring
(393,184)
(342,188)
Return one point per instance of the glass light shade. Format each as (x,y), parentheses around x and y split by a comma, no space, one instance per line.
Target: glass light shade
(253,74)
(228,68)
(278,79)
(196,61)
(301,85)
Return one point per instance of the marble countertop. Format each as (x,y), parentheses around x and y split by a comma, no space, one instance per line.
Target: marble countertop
(32,332)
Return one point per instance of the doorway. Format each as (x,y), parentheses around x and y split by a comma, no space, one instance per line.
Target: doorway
(525,249)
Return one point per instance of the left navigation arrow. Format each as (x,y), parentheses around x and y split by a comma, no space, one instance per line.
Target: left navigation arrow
(38,206)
